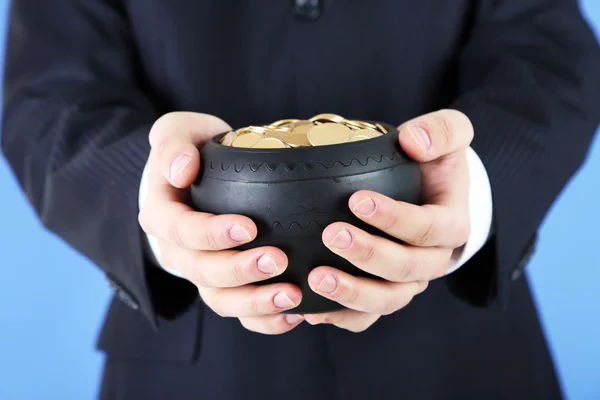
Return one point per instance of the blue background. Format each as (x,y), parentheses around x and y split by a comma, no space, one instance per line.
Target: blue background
(52,301)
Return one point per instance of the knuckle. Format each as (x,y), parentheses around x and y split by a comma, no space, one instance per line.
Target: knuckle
(198,274)
(238,274)
(405,272)
(390,221)
(210,240)
(462,120)
(351,293)
(177,232)
(390,307)
(255,307)
(425,235)
(367,253)
(445,129)
(392,304)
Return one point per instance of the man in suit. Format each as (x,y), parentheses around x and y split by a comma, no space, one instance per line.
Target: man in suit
(498,101)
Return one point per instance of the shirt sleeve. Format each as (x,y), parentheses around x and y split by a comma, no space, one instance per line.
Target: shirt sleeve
(480,212)
(152,241)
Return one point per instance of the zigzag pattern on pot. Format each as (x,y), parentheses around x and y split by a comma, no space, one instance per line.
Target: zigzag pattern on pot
(307,167)
(296,225)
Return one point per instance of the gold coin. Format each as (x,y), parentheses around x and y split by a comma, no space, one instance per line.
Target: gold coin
(228,138)
(358,125)
(283,122)
(363,124)
(296,140)
(358,137)
(303,129)
(257,129)
(381,128)
(276,134)
(247,140)
(300,123)
(354,127)
(269,143)
(366,132)
(328,133)
(352,124)
(284,128)
(328,118)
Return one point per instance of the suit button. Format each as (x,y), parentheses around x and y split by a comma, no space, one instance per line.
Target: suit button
(307,9)
(123,295)
(516,274)
(529,250)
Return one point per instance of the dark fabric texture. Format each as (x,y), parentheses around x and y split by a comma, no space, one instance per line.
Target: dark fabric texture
(437,348)
(85,80)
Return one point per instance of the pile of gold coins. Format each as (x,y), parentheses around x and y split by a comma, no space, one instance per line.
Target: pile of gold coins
(320,130)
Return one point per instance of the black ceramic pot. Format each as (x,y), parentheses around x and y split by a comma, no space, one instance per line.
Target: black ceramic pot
(293,194)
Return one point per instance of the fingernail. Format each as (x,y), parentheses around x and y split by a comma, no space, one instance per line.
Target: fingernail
(328,284)
(342,240)
(178,165)
(239,234)
(293,319)
(420,136)
(282,300)
(365,207)
(266,264)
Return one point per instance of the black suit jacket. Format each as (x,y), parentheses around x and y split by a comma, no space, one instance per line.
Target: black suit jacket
(85,80)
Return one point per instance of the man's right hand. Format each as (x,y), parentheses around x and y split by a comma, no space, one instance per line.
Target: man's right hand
(197,244)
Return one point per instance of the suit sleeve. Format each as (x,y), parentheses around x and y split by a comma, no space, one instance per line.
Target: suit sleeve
(529,80)
(75,133)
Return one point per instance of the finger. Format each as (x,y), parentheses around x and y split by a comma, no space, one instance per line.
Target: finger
(178,162)
(272,324)
(251,300)
(382,257)
(428,225)
(436,134)
(352,320)
(174,139)
(177,223)
(363,294)
(198,128)
(224,269)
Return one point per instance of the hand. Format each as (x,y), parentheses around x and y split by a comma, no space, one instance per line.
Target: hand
(431,232)
(196,244)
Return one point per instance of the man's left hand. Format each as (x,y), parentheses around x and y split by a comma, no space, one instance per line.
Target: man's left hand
(429,232)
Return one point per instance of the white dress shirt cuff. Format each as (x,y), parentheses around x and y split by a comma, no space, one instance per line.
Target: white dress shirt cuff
(152,241)
(480,212)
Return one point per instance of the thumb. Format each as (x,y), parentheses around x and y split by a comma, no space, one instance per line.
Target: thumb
(174,141)
(435,135)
